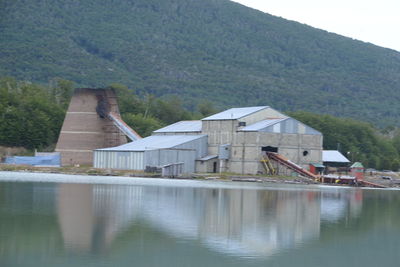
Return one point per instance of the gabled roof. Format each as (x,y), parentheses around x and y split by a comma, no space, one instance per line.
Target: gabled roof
(234,113)
(181,127)
(333,156)
(261,125)
(154,142)
(357,165)
(317,165)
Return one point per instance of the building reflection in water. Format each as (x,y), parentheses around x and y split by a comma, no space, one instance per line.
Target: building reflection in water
(255,223)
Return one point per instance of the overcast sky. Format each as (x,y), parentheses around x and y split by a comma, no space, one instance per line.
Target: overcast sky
(373,21)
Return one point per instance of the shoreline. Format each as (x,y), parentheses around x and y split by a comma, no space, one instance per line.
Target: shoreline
(224,177)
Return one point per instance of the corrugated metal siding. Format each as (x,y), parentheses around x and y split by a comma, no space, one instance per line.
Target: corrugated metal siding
(194,148)
(200,145)
(162,157)
(123,160)
(289,126)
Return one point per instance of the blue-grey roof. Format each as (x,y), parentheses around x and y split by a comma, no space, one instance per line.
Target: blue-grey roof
(261,125)
(154,142)
(333,156)
(181,127)
(234,113)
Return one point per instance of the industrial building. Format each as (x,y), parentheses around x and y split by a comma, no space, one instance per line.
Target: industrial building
(237,140)
(154,151)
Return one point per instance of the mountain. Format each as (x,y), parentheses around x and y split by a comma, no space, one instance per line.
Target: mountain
(213,50)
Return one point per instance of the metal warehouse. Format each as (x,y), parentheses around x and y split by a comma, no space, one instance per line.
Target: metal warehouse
(247,140)
(154,151)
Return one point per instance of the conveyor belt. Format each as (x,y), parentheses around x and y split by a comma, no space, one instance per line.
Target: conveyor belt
(291,165)
(120,124)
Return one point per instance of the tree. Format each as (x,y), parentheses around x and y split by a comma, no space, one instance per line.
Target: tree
(144,126)
(206,108)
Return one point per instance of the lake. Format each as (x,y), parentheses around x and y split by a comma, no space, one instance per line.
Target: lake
(63,220)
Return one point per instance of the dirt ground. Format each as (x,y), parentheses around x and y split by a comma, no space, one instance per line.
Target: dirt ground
(389,179)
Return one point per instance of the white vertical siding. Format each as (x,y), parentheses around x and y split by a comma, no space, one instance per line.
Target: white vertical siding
(123,160)
(160,157)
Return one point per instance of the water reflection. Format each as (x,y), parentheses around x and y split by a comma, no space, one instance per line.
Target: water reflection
(245,223)
(338,204)
(49,224)
(90,216)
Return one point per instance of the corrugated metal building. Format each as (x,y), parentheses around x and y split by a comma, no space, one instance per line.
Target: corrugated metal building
(234,140)
(253,131)
(154,151)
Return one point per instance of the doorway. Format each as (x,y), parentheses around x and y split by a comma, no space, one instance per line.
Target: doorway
(214,167)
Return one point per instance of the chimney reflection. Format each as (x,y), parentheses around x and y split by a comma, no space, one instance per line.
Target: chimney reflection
(91,216)
(75,214)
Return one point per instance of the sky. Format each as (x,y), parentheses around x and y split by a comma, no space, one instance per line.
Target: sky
(372,21)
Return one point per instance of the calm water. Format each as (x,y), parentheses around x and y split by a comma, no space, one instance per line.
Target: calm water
(62,221)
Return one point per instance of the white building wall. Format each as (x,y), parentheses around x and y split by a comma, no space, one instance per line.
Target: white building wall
(246,150)
(123,160)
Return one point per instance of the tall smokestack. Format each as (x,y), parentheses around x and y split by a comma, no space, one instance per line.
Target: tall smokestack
(87,126)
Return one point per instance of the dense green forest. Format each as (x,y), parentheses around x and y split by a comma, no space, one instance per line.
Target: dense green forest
(357,140)
(213,50)
(31,116)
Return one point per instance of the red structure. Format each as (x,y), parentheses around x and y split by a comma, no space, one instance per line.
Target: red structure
(357,170)
(317,168)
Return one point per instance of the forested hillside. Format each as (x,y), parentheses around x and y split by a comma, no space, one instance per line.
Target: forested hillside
(208,49)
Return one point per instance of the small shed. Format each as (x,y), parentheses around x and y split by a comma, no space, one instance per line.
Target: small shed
(357,170)
(208,164)
(154,151)
(334,157)
(317,168)
(334,161)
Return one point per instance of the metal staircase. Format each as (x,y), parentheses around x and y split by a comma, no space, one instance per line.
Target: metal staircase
(266,162)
